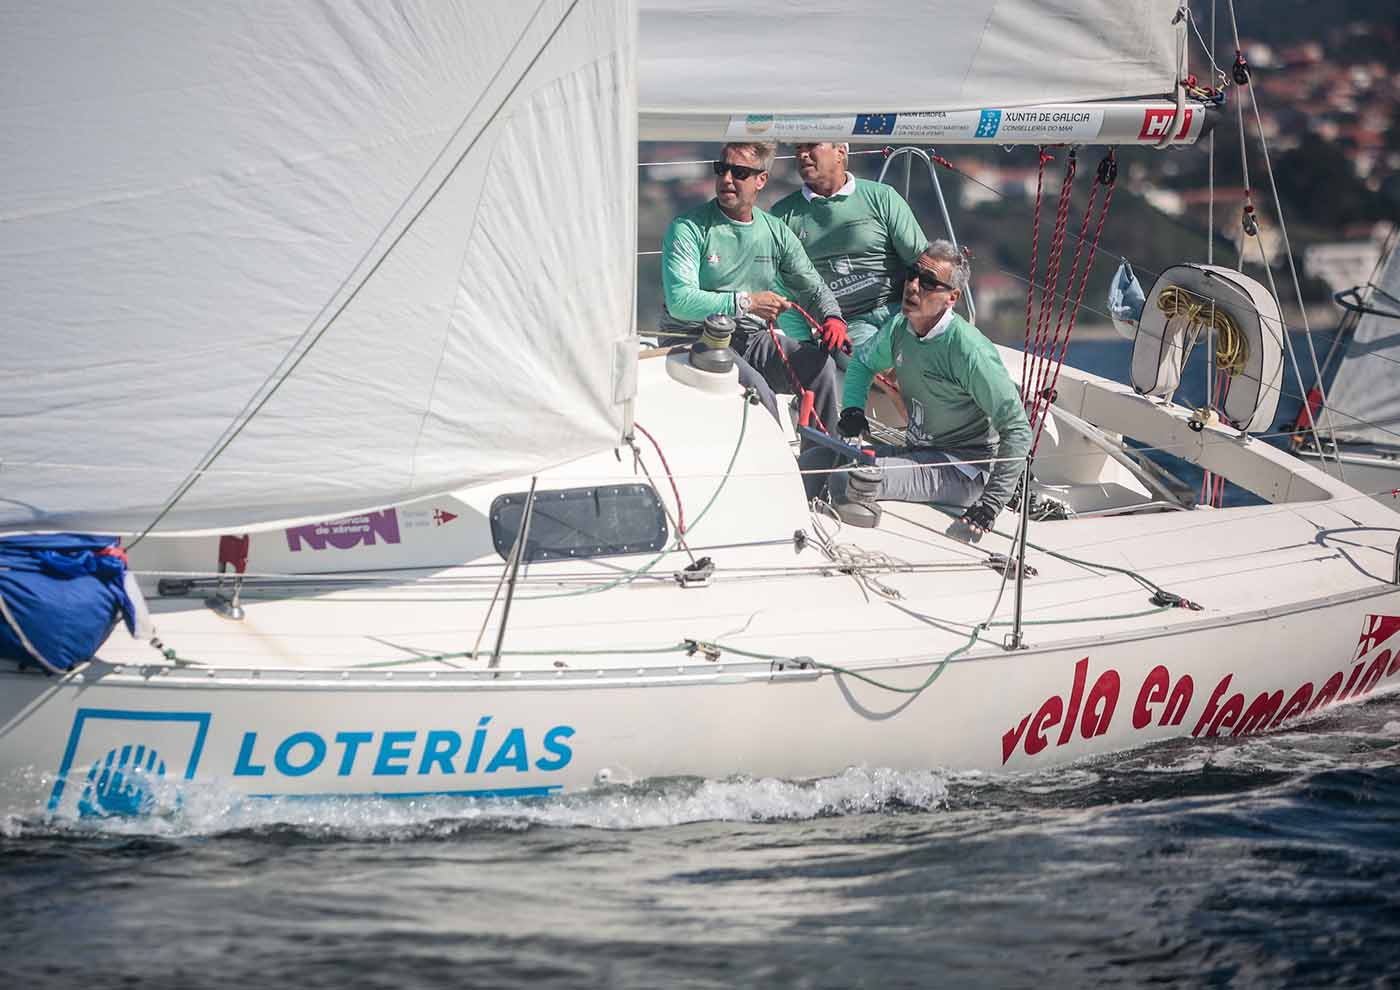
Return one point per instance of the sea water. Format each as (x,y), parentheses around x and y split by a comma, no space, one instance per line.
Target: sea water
(1268,861)
(1271,861)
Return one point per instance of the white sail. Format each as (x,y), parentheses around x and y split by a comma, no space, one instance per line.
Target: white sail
(1365,405)
(403,234)
(708,69)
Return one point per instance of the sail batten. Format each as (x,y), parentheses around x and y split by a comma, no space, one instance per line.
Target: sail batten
(192,207)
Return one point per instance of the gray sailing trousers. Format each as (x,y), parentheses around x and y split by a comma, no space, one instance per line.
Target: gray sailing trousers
(763,368)
(909,474)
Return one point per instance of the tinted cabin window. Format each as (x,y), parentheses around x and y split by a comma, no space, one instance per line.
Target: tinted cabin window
(582,522)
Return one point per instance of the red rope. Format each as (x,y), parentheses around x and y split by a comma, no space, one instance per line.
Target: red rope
(1052,269)
(1055,349)
(1108,178)
(1035,249)
(802,393)
(680,509)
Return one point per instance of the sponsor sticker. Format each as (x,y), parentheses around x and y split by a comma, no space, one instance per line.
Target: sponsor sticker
(1055,124)
(1156,121)
(115,759)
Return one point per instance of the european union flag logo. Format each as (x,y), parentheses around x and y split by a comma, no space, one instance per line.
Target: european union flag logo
(874,123)
(988,124)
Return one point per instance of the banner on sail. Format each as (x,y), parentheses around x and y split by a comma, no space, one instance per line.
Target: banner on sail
(1064,123)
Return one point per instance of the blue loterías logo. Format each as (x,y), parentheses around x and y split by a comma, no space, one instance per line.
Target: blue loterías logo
(120,783)
(489,749)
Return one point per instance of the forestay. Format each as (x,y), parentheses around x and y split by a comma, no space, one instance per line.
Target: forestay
(702,64)
(403,234)
(1364,403)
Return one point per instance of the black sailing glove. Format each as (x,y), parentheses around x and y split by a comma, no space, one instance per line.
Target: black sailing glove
(973,523)
(852,424)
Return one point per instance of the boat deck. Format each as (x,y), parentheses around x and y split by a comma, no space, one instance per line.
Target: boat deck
(772,600)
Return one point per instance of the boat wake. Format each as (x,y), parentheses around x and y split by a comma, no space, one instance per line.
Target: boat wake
(656,803)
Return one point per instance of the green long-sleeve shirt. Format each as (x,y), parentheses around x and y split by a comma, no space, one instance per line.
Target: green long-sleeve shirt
(861,243)
(707,258)
(958,394)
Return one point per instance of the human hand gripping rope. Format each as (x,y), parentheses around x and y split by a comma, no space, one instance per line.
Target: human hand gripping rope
(832,334)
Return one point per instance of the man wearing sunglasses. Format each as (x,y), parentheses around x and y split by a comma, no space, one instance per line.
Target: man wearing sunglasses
(968,435)
(728,257)
(860,235)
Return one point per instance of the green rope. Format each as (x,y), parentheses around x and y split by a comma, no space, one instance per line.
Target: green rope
(938,670)
(856,675)
(1087,618)
(629,576)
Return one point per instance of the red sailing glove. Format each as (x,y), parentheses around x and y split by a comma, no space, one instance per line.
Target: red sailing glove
(834,334)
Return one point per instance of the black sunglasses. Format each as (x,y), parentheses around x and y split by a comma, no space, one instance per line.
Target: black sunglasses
(928,281)
(741,172)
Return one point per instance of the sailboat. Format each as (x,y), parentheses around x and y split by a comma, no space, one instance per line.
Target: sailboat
(327,316)
(1359,427)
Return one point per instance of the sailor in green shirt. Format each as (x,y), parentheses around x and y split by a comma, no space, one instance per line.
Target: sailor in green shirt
(727,257)
(963,406)
(861,236)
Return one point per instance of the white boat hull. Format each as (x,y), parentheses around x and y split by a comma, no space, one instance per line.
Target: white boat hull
(595,684)
(80,745)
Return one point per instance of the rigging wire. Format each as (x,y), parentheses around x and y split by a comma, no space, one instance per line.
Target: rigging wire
(1250,226)
(1210,208)
(1292,268)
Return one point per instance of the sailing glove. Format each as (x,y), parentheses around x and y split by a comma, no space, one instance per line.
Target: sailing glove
(852,424)
(973,523)
(834,334)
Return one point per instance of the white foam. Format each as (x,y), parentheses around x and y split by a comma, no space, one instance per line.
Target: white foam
(203,810)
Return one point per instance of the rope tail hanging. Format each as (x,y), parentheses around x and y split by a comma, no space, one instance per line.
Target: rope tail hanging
(1106,177)
(1045,158)
(1052,277)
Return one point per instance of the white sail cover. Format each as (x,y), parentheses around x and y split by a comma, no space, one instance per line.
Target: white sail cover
(403,234)
(821,57)
(1364,404)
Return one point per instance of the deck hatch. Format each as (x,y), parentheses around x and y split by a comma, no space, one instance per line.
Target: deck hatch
(596,521)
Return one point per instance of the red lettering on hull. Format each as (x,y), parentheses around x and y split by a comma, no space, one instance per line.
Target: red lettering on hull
(1098,709)
(1166,702)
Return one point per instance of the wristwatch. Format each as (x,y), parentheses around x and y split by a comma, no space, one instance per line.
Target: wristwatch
(743,302)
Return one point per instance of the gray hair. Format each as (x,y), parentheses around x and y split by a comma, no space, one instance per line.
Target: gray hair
(764,151)
(941,250)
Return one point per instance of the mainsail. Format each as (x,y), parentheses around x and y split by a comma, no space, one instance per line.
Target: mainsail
(1364,403)
(286,258)
(725,69)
